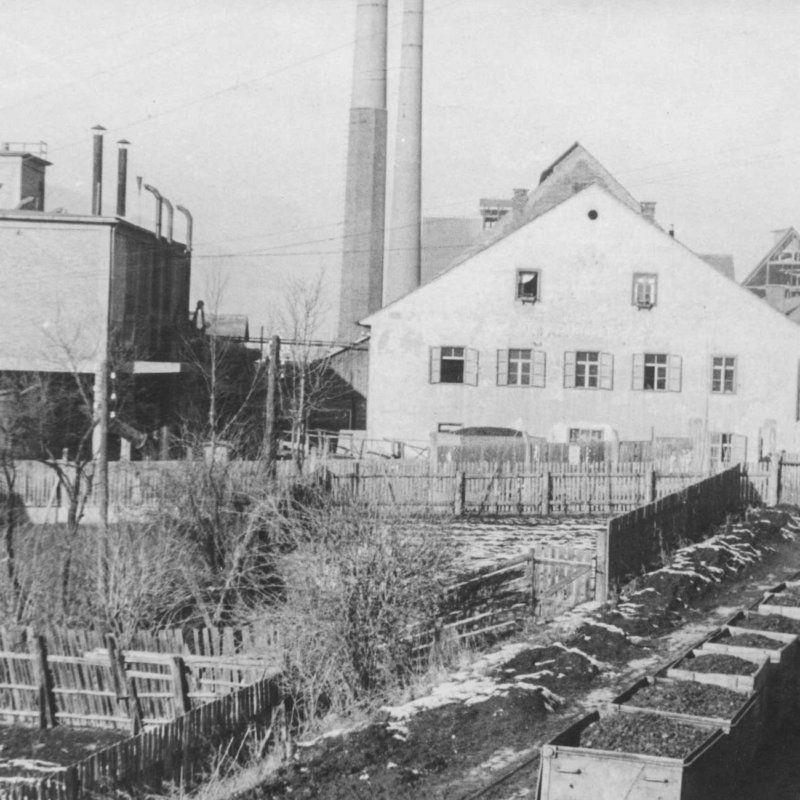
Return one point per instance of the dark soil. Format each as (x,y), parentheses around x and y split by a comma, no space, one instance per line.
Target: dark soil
(686,697)
(60,745)
(723,664)
(770,622)
(644,734)
(784,599)
(751,640)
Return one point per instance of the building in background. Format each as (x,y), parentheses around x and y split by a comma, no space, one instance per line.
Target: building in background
(580,318)
(87,293)
(776,277)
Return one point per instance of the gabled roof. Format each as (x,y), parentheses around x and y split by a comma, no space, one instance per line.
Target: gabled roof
(722,263)
(758,277)
(572,172)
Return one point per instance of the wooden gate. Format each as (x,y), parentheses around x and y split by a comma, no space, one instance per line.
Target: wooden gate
(563,577)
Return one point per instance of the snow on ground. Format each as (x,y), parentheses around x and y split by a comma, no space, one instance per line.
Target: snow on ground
(480,543)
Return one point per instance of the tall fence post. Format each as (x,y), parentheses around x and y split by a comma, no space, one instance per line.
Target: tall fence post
(546,493)
(460,492)
(124,685)
(774,480)
(601,582)
(651,486)
(44,680)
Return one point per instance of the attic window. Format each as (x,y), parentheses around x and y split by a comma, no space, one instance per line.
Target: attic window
(528,285)
(644,289)
(592,214)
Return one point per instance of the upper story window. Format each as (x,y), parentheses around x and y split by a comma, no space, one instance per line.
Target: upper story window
(521,367)
(454,365)
(588,369)
(645,285)
(723,374)
(528,288)
(656,372)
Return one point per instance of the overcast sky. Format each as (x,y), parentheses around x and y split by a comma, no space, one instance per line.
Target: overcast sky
(239,111)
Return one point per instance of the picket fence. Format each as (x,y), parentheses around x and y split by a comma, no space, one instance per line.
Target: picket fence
(484,488)
(178,752)
(86,679)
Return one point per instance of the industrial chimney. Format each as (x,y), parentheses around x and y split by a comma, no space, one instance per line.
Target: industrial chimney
(122,176)
(97,170)
(365,192)
(404,262)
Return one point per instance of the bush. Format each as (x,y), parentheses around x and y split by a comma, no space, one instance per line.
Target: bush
(356,585)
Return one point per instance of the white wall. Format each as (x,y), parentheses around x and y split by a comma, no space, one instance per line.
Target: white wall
(586,268)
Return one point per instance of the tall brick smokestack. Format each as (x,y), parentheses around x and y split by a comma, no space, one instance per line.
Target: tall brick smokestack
(365,193)
(404,261)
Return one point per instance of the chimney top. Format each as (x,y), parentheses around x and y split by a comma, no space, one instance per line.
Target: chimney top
(648,209)
(123,142)
(100,129)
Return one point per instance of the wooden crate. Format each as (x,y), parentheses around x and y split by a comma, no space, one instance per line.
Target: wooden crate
(568,770)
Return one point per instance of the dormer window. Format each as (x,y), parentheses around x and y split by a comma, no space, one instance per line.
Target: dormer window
(528,285)
(644,289)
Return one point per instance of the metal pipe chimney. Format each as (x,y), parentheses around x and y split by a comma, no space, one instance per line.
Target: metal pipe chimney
(365,192)
(404,269)
(122,176)
(159,205)
(170,218)
(97,170)
(189,225)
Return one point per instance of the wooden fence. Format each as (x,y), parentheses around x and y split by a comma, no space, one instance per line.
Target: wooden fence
(503,488)
(640,539)
(179,751)
(85,679)
(498,598)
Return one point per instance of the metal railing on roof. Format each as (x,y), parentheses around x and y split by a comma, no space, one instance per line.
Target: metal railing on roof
(34,148)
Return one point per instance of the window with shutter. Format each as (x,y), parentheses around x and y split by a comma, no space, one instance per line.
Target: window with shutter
(638,371)
(470,375)
(656,372)
(502,367)
(539,369)
(569,370)
(644,289)
(528,285)
(436,365)
(606,371)
(674,364)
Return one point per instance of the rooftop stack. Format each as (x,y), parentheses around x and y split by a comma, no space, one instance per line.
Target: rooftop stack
(404,267)
(365,193)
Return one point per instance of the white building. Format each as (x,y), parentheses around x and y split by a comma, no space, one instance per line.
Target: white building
(584,319)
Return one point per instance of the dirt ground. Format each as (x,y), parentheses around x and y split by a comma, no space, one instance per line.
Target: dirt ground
(28,751)
(479,736)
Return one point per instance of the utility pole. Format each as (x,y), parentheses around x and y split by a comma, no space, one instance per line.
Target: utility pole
(271,409)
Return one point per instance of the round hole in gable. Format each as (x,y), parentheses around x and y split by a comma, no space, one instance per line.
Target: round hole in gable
(592,214)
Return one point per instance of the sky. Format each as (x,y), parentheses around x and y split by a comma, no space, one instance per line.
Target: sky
(239,111)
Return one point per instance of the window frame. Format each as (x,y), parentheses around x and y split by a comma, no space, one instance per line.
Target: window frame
(605,370)
(648,299)
(673,372)
(519,294)
(723,369)
(469,370)
(537,372)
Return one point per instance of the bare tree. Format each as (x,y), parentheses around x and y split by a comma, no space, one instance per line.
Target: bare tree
(307,384)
